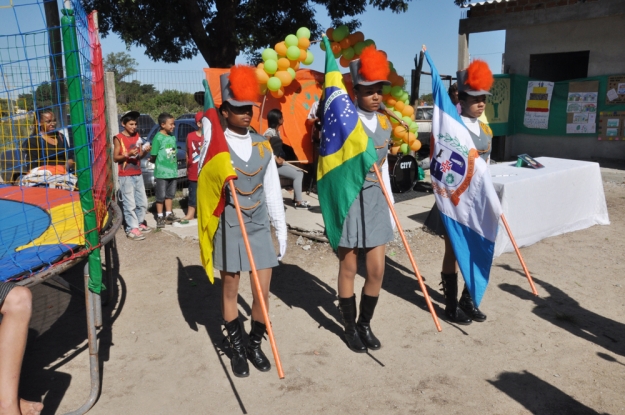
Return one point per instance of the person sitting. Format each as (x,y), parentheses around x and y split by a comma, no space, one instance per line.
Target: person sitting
(49,157)
(285,170)
(16,308)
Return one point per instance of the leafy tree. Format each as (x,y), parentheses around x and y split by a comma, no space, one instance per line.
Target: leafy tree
(220,30)
(121,64)
(428,98)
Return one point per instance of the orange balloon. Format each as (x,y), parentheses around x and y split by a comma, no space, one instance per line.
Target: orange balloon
(260,65)
(284,77)
(283,64)
(302,55)
(395,150)
(359,37)
(391,102)
(416,145)
(407,111)
(345,43)
(400,132)
(399,80)
(280,48)
(303,43)
(277,94)
(352,39)
(411,138)
(336,48)
(262,76)
(394,122)
(386,97)
(399,106)
(329,33)
(294,65)
(344,62)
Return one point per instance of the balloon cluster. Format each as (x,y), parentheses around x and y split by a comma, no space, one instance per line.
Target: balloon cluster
(280,63)
(347,47)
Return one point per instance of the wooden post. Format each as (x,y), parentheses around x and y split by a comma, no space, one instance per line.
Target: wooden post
(412,261)
(256,282)
(112,124)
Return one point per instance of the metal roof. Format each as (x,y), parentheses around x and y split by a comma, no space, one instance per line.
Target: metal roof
(481,3)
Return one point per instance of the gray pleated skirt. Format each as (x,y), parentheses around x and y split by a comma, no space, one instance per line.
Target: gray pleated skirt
(5,287)
(434,222)
(368,222)
(229,252)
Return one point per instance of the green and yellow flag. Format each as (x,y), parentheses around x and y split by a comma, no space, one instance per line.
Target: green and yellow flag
(346,153)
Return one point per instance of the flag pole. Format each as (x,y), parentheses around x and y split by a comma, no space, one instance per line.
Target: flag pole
(518,253)
(412,261)
(259,291)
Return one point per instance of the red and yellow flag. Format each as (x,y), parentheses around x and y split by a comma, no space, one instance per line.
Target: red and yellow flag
(215,169)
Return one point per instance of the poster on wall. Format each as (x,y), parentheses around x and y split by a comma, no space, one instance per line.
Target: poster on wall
(611,126)
(537,103)
(581,107)
(498,103)
(616,90)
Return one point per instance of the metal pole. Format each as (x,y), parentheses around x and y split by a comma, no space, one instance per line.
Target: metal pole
(112,125)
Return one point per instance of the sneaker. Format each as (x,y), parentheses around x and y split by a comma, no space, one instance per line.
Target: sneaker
(171,218)
(302,205)
(135,234)
(160,221)
(145,228)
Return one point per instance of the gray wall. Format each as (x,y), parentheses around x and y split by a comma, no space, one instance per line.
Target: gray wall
(604,37)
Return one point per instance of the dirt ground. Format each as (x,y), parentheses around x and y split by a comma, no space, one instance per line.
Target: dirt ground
(161,349)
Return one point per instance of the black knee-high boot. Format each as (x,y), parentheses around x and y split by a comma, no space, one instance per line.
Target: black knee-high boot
(238,361)
(468,306)
(347,306)
(254,353)
(367,307)
(450,290)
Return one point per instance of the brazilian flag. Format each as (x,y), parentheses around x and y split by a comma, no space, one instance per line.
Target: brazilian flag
(346,153)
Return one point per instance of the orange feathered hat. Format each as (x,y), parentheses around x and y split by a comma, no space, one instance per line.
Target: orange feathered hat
(372,68)
(240,87)
(476,80)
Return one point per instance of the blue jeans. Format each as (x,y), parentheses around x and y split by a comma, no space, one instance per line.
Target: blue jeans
(134,200)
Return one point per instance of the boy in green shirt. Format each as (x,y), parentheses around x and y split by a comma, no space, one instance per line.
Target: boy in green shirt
(163,155)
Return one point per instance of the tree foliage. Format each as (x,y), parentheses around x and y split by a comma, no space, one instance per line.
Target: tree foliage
(220,30)
(121,64)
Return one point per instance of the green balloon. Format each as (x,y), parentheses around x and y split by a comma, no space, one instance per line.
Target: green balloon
(406,119)
(291,71)
(348,53)
(397,92)
(386,89)
(340,33)
(405,97)
(414,127)
(309,58)
(292,53)
(388,107)
(404,148)
(390,65)
(291,40)
(271,66)
(369,42)
(303,32)
(407,101)
(322,46)
(273,84)
(358,47)
(269,54)
(399,114)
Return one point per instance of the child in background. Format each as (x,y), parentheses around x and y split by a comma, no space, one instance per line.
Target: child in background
(127,153)
(194,147)
(163,155)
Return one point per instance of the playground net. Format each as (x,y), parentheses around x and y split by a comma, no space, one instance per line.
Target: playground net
(55,175)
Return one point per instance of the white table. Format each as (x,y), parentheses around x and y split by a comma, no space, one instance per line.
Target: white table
(564,196)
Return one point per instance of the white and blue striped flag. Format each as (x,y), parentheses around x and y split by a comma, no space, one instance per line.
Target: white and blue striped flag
(464,192)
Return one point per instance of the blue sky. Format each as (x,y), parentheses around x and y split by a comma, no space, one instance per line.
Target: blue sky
(430,22)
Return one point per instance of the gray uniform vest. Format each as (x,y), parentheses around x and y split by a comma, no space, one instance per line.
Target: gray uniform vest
(368,222)
(229,250)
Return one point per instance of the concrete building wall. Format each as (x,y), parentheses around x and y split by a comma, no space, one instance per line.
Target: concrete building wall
(603,37)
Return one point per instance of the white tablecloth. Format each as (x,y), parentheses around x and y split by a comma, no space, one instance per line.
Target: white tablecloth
(564,196)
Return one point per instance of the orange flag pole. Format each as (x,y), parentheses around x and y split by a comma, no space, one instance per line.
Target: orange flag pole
(412,261)
(518,253)
(259,291)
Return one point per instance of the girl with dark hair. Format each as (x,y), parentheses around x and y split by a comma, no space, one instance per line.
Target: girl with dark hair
(47,147)
(275,120)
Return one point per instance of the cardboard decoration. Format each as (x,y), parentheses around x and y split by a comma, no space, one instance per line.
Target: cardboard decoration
(581,107)
(611,126)
(615,91)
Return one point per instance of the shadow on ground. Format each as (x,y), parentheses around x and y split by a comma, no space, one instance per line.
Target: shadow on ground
(538,396)
(565,312)
(58,334)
